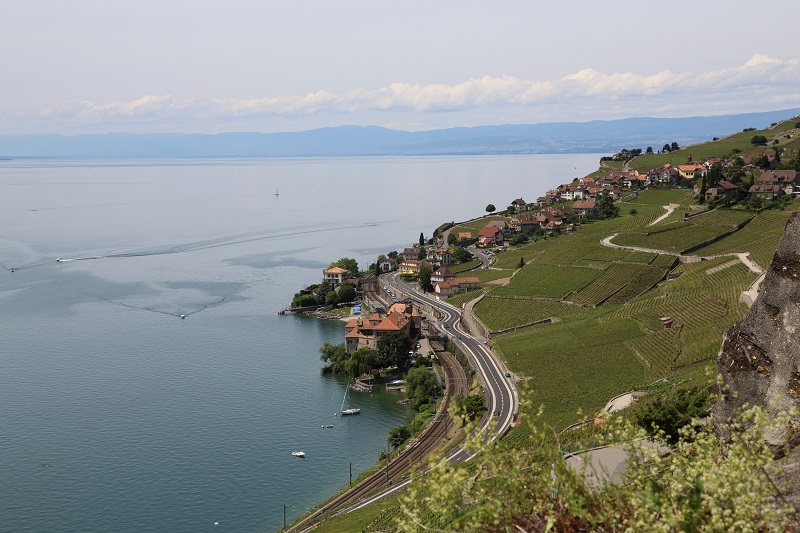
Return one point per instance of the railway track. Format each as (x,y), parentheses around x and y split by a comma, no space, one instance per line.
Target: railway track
(414,455)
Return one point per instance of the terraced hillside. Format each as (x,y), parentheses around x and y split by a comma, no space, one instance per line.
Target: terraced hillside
(606,304)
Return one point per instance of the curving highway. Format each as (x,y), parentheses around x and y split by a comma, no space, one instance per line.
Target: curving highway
(501,395)
(501,399)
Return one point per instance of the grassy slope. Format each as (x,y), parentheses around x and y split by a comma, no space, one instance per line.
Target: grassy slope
(592,354)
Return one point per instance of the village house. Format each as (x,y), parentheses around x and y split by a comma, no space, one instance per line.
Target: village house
(767,192)
(441,274)
(595,192)
(411,253)
(584,207)
(570,192)
(502,225)
(587,182)
(519,205)
(446,288)
(690,170)
(410,266)
(387,265)
(547,220)
(523,223)
(490,236)
(787,180)
(542,201)
(439,257)
(724,189)
(335,276)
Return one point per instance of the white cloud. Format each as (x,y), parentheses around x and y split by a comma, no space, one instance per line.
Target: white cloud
(761,83)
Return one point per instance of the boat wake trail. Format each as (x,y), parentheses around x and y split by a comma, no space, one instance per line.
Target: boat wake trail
(176,314)
(192,246)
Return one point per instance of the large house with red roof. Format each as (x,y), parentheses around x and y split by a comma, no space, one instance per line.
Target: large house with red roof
(490,235)
(365,332)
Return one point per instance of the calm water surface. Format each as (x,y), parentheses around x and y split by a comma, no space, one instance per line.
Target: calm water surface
(115,414)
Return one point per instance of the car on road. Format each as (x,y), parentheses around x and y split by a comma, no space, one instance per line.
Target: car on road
(508,374)
(485,342)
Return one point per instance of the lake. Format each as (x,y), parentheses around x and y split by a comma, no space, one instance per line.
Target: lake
(118,415)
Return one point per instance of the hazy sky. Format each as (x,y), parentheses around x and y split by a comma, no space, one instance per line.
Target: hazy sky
(83,66)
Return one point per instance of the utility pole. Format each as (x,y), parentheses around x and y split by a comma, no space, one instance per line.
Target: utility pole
(351,474)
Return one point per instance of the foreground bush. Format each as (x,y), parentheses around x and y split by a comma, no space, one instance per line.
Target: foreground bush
(703,484)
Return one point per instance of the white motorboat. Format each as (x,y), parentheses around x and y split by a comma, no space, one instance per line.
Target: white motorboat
(299,454)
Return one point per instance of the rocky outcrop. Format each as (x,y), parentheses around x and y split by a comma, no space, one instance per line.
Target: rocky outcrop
(760,356)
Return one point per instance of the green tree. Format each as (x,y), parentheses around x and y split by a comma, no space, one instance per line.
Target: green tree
(393,349)
(491,208)
(421,239)
(381,258)
(633,211)
(669,412)
(519,239)
(674,146)
(360,362)
(347,264)
(461,255)
(606,208)
(703,188)
(471,405)
(331,298)
(421,386)
(334,354)
(758,140)
(425,278)
(347,293)
(649,150)
(304,300)
(666,148)
(451,238)
(521,263)
(322,292)
(398,435)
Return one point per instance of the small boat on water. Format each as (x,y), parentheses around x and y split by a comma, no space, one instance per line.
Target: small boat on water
(299,454)
(327,426)
(351,410)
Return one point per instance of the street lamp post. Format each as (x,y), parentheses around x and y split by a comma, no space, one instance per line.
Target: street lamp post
(284,515)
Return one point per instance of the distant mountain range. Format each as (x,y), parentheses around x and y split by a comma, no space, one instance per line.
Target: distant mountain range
(599,136)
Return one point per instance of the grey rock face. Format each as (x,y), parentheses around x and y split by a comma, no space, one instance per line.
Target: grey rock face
(760,356)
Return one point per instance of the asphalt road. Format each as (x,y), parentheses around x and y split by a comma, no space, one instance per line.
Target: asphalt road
(500,392)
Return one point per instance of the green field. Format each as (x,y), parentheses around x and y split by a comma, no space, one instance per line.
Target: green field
(499,313)
(573,365)
(547,281)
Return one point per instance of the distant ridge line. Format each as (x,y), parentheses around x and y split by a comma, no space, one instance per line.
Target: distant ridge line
(598,136)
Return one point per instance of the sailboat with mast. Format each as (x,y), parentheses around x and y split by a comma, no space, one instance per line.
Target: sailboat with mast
(349,410)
